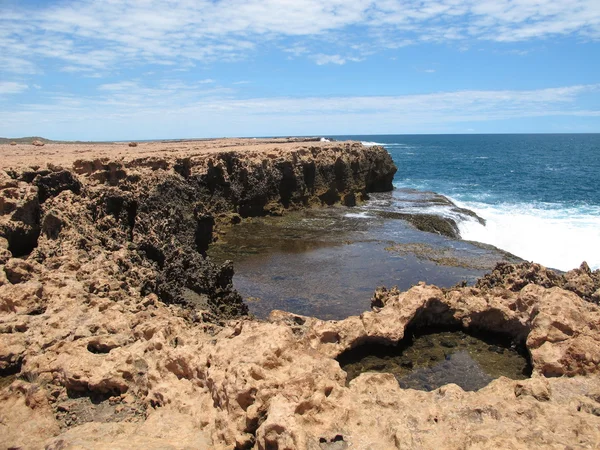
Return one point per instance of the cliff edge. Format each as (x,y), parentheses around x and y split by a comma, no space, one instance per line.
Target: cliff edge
(116,332)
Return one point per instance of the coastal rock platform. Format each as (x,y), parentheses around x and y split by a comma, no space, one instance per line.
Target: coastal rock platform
(116,331)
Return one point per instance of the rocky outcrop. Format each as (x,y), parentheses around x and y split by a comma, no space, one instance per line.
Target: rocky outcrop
(163,211)
(581,281)
(100,372)
(98,350)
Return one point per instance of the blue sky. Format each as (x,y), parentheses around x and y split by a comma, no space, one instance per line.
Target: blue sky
(152,69)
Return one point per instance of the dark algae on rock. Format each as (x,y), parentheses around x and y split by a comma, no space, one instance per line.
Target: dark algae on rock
(164,211)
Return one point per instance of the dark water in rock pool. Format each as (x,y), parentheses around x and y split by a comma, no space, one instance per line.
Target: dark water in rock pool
(327,262)
(429,361)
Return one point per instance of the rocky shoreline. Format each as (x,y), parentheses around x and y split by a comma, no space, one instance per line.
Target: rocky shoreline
(116,332)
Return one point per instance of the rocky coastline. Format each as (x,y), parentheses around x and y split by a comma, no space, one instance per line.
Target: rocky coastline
(117,332)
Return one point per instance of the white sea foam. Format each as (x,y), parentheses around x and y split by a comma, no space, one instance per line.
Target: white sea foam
(325,140)
(370,144)
(362,215)
(551,235)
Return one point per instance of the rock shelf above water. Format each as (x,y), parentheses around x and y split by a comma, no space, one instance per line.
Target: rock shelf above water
(114,329)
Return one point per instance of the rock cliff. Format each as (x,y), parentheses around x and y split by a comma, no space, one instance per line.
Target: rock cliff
(161,208)
(100,261)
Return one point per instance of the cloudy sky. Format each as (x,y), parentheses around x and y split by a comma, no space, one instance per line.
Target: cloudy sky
(151,69)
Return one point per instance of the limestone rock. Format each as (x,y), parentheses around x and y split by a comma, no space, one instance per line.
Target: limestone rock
(117,332)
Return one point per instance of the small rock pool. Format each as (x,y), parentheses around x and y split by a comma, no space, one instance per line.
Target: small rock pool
(429,360)
(327,262)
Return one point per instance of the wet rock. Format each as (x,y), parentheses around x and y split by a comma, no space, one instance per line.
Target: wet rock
(448,344)
(428,222)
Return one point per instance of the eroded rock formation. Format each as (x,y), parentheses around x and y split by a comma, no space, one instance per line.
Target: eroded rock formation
(100,349)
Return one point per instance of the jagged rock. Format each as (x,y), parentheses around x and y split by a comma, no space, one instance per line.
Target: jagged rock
(38,143)
(514,277)
(19,216)
(54,183)
(101,348)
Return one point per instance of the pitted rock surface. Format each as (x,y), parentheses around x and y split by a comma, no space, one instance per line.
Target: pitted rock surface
(116,332)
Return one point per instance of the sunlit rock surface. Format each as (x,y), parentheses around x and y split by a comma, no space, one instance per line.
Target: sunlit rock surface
(115,332)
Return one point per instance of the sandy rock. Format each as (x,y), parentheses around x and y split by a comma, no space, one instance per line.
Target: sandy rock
(5,254)
(132,144)
(38,143)
(116,332)
(26,417)
(537,387)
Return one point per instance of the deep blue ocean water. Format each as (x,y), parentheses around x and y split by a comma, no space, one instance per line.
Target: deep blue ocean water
(539,193)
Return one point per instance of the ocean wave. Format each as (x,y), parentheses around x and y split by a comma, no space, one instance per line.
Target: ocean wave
(325,140)
(554,235)
(370,144)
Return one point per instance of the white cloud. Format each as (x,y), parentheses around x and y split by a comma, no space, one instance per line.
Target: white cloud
(111,34)
(12,87)
(136,109)
(119,86)
(322,59)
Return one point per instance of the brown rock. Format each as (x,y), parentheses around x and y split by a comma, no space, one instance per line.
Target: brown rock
(19,271)
(97,317)
(38,143)
(133,144)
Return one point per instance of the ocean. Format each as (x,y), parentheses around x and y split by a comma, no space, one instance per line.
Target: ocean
(538,193)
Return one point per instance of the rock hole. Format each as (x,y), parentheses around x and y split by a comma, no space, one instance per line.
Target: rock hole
(96,397)
(153,253)
(298,320)
(99,347)
(330,337)
(11,367)
(36,310)
(22,241)
(428,358)
(204,233)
